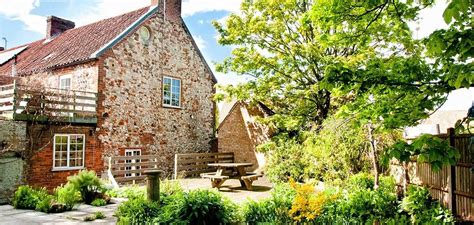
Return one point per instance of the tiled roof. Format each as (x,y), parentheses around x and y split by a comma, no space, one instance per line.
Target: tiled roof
(72,46)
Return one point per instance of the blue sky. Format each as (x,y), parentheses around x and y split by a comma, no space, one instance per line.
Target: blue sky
(24,21)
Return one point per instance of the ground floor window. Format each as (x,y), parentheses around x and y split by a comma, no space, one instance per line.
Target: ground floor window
(132,152)
(68,151)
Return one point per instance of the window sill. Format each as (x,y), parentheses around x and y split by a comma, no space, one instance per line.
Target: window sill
(172,107)
(66,169)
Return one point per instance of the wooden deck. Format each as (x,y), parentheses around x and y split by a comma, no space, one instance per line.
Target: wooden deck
(23,103)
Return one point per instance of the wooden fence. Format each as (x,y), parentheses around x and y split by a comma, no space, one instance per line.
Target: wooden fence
(130,169)
(453,186)
(193,164)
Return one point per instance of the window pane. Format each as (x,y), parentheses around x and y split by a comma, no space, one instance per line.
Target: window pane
(175,90)
(176,83)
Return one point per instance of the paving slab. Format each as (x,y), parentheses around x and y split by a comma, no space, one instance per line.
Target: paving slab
(12,216)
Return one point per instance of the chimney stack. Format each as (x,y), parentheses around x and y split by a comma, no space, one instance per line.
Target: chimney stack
(171,9)
(56,26)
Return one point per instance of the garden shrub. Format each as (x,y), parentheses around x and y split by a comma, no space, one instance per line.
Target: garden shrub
(99,215)
(423,209)
(198,207)
(88,184)
(45,202)
(98,202)
(255,212)
(129,192)
(68,195)
(272,210)
(137,211)
(25,198)
(308,204)
(285,158)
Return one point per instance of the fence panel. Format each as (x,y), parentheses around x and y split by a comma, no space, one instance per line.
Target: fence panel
(453,186)
(193,164)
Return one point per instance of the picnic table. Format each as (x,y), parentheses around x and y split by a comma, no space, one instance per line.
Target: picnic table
(237,171)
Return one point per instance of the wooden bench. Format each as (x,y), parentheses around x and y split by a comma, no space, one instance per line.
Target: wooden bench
(249,179)
(216,180)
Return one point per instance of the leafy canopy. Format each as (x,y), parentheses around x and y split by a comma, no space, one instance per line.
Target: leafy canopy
(309,58)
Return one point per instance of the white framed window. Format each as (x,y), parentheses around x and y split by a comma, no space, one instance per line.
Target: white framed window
(171,92)
(69,151)
(65,82)
(133,152)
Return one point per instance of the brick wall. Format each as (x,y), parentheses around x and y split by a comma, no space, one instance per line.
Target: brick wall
(234,137)
(40,164)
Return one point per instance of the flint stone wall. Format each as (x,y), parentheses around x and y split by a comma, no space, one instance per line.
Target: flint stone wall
(132,115)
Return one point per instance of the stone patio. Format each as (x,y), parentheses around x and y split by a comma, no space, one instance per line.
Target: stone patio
(231,189)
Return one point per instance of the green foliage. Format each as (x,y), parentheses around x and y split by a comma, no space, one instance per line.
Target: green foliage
(88,184)
(45,201)
(129,192)
(25,198)
(137,211)
(305,56)
(68,195)
(338,150)
(427,148)
(99,215)
(360,203)
(255,212)
(273,210)
(200,207)
(98,202)
(452,48)
(285,158)
(423,209)
(170,187)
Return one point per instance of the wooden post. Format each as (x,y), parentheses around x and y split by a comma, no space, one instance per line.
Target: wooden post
(14,99)
(452,176)
(175,166)
(153,184)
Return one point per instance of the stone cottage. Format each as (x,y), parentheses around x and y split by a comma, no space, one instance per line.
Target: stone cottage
(136,84)
(240,132)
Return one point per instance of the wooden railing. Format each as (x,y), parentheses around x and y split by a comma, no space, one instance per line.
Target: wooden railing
(193,164)
(25,103)
(130,169)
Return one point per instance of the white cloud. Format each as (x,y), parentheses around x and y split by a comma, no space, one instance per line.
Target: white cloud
(200,42)
(191,7)
(21,10)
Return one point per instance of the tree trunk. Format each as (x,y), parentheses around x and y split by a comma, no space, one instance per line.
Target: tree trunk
(373,155)
(406,179)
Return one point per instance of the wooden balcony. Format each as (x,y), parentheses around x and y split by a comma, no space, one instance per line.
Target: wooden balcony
(23,103)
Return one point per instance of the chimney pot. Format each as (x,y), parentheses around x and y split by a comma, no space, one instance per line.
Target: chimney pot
(56,26)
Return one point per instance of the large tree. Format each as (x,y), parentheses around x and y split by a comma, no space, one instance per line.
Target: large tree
(296,50)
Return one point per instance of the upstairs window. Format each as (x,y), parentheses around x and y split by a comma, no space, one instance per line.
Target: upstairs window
(65,82)
(68,151)
(171,92)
